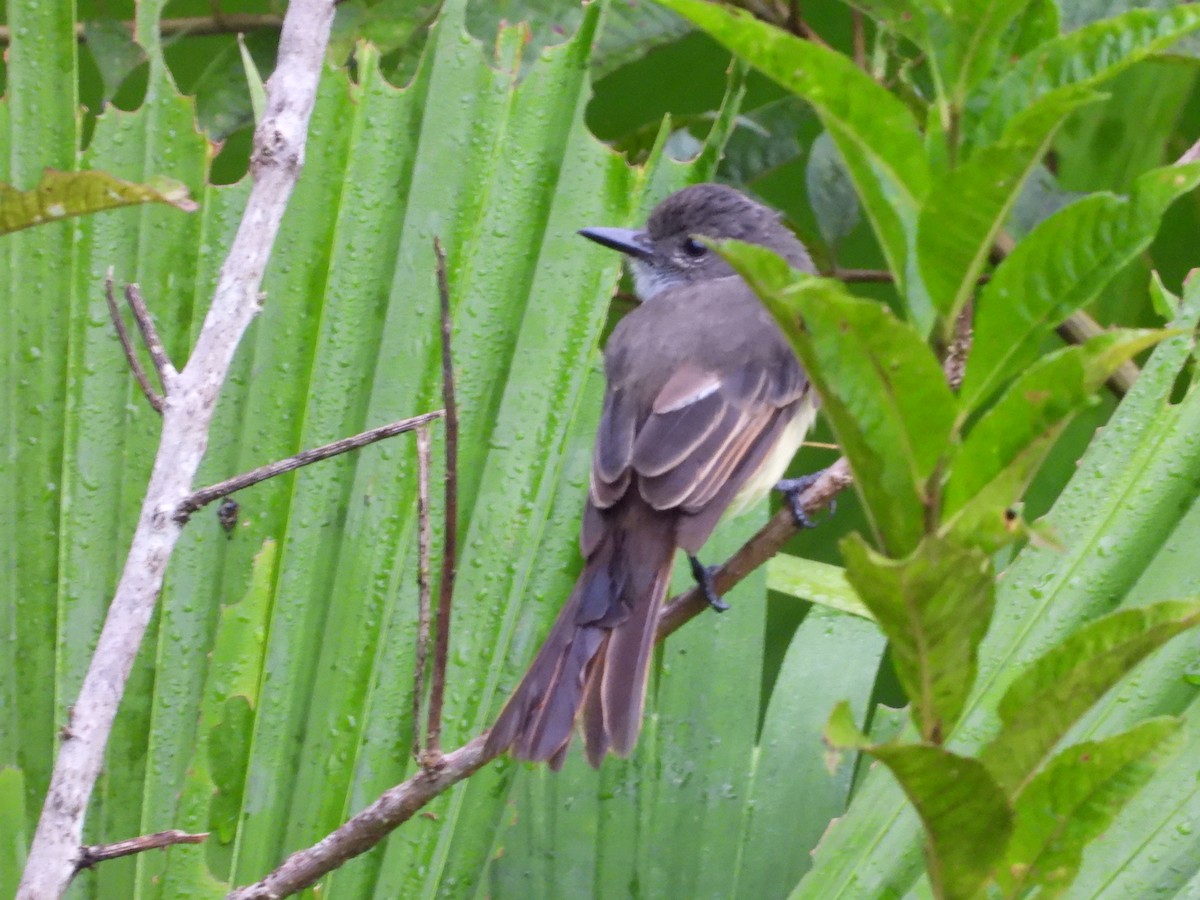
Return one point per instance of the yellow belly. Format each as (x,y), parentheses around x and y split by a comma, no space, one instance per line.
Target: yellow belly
(777,461)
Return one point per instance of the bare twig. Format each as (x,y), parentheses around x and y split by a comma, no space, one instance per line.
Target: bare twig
(191,398)
(441,647)
(90,855)
(190,26)
(860,40)
(955,363)
(1079,328)
(201,498)
(162,364)
(139,374)
(402,802)
(424,539)
(863,276)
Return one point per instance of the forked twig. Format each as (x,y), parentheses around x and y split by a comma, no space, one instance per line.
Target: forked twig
(198,499)
(158,355)
(152,396)
(90,855)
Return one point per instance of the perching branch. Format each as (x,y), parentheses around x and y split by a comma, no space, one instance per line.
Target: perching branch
(441,647)
(400,803)
(98,853)
(139,374)
(189,26)
(201,498)
(190,400)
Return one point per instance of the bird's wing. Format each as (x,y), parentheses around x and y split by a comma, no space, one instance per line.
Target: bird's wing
(702,429)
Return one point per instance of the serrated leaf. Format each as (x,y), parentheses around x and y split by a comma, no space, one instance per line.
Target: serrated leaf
(63,194)
(1072,801)
(1003,450)
(880,386)
(1083,57)
(1046,699)
(1059,267)
(934,606)
(877,136)
(816,582)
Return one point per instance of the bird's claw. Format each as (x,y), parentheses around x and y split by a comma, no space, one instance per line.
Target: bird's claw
(704,578)
(793,489)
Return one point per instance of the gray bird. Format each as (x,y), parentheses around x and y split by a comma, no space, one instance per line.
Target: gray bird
(706,405)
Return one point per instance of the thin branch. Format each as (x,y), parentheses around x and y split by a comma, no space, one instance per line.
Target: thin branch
(139,374)
(201,498)
(275,165)
(860,40)
(441,648)
(400,803)
(90,855)
(955,363)
(190,26)
(863,276)
(158,355)
(424,540)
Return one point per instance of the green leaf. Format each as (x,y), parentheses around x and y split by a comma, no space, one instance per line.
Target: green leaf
(13,840)
(875,133)
(113,50)
(830,191)
(1049,696)
(966,210)
(258,93)
(966,816)
(1083,57)
(880,386)
(816,582)
(63,194)
(1003,450)
(934,606)
(1063,263)
(1074,799)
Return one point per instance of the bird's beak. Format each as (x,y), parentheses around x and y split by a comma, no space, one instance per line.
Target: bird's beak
(627,240)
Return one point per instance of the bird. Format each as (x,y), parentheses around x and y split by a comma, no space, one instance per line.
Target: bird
(705,405)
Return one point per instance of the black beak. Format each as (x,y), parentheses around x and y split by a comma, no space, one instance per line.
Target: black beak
(628,241)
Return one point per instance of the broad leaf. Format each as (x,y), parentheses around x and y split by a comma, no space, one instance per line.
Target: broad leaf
(875,133)
(1048,697)
(1073,800)
(934,606)
(830,191)
(966,816)
(1063,263)
(1003,450)
(1083,57)
(880,386)
(966,210)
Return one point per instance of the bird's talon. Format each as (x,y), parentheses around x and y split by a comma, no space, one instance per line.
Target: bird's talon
(704,578)
(793,489)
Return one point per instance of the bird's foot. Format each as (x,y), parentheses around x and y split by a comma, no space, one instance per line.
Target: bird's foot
(704,578)
(793,489)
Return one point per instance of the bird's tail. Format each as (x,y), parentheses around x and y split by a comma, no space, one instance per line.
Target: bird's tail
(597,655)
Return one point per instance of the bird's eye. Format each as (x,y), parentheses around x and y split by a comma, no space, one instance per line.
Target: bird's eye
(694,248)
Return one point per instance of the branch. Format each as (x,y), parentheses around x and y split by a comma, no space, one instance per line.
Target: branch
(400,803)
(441,647)
(98,853)
(191,397)
(139,374)
(158,355)
(201,498)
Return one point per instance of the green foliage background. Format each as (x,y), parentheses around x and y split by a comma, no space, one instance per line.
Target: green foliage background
(272,697)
